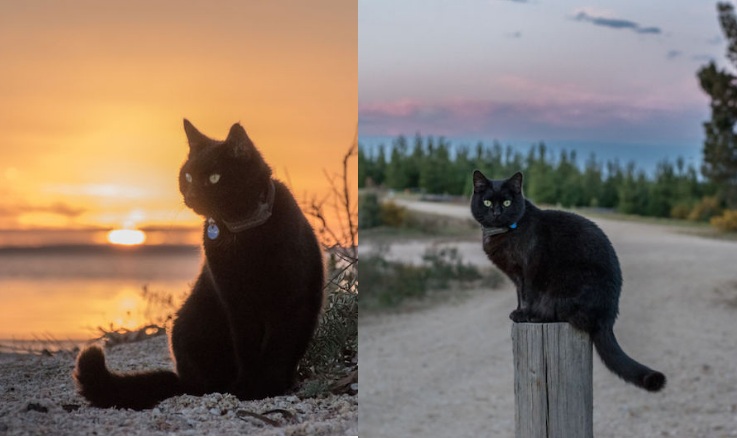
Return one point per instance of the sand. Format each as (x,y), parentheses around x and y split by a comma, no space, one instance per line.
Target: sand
(38,397)
(446,370)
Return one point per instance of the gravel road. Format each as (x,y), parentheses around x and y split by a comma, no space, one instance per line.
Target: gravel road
(447,370)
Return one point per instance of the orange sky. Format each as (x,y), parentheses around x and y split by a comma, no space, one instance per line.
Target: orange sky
(93,95)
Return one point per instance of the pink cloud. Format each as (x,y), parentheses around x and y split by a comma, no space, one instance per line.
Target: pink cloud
(550,116)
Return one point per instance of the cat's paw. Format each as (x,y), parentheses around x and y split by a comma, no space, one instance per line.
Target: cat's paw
(519,315)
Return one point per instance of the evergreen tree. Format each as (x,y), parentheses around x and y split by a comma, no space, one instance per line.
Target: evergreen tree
(592,180)
(396,169)
(540,180)
(633,191)
(414,162)
(567,177)
(363,166)
(436,168)
(720,145)
(379,169)
(662,191)
(610,188)
(462,167)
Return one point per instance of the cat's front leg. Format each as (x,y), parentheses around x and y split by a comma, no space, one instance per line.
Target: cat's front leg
(521,313)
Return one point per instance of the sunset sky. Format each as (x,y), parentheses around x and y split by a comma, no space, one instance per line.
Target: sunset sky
(93,95)
(589,70)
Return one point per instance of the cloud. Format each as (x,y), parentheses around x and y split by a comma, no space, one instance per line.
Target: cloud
(585,118)
(615,23)
(673,54)
(57,208)
(702,57)
(99,190)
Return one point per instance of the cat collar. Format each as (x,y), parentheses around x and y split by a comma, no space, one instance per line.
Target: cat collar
(260,215)
(493,231)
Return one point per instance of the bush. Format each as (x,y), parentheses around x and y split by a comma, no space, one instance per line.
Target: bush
(369,211)
(446,264)
(334,346)
(681,211)
(388,283)
(727,221)
(392,215)
(705,209)
(385,283)
(336,337)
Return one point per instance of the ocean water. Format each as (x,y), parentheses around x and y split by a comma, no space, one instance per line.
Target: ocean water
(67,292)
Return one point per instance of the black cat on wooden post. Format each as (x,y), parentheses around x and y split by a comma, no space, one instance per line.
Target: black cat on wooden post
(566,271)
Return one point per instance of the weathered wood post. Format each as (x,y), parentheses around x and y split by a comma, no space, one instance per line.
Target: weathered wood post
(553,390)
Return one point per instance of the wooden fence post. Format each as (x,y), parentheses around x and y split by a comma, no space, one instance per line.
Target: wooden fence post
(553,390)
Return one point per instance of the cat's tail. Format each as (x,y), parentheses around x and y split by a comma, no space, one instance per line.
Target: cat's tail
(622,365)
(135,391)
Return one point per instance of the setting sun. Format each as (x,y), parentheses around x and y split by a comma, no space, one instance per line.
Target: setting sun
(126,237)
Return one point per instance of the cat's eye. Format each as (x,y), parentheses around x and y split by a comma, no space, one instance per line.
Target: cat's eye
(214,178)
(188,177)
(487,203)
(507,203)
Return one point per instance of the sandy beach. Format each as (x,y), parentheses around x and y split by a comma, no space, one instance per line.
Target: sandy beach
(38,397)
(447,370)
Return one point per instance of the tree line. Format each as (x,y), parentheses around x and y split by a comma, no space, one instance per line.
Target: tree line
(434,166)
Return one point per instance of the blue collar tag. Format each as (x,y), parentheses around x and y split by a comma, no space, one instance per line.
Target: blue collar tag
(513,226)
(212,229)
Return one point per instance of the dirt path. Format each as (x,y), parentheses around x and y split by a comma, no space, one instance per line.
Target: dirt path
(447,370)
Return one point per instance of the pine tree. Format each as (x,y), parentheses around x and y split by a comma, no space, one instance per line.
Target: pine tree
(720,145)
(396,169)
(364,164)
(379,174)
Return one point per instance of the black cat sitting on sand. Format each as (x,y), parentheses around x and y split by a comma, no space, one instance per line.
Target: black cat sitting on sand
(563,265)
(255,305)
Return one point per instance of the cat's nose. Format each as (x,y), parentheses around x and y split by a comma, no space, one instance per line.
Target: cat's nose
(189,197)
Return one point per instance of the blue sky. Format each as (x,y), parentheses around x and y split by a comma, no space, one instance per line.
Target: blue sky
(537,69)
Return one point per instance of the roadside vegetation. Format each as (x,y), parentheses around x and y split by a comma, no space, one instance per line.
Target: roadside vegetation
(442,273)
(435,166)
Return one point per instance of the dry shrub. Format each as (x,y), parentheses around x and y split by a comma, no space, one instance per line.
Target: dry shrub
(705,209)
(392,215)
(726,222)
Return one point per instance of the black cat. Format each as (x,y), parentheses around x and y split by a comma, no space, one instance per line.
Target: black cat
(564,267)
(255,305)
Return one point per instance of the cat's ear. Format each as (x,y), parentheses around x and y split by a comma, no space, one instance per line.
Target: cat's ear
(480,183)
(197,140)
(239,142)
(515,182)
